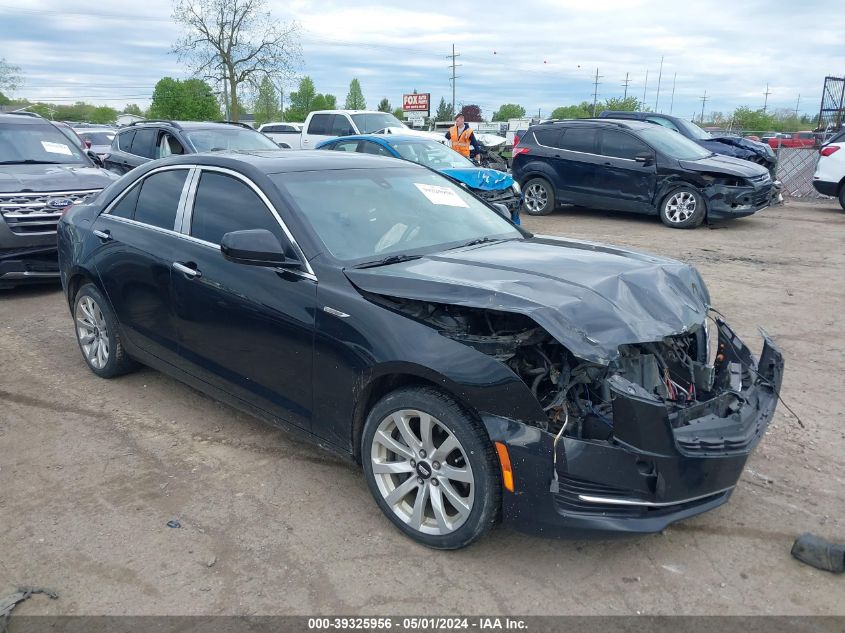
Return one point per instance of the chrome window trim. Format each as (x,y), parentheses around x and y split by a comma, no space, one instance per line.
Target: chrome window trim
(139,182)
(179,221)
(249,183)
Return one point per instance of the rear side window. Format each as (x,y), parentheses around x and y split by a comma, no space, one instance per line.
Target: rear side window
(550,137)
(159,198)
(144,143)
(126,207)
(320,124)
(124,140)
(579,139)
(341,126)
(621,145)
(223,204)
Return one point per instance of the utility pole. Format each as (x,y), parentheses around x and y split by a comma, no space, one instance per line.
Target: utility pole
(645,86)
(454,56)
(672,101)
(596,90)
(703,101)
(659,77)
(797,103)
(225,94)
(766,95)
(625,83)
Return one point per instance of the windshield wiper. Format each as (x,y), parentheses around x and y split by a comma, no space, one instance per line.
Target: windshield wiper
(480,240)
(29,161)
(393,259)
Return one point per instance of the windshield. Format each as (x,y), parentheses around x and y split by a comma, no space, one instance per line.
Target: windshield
(693,130)
(234,138)
(98,138)
(431,154)
(368,214)
(37,142)
(375,121)
(673,144)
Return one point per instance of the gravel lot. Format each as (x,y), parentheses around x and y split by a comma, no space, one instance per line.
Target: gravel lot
(92,470)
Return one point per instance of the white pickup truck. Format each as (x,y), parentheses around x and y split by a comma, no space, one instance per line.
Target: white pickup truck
(321,125)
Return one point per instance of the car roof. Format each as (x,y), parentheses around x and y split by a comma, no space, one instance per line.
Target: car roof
(285,160)
(185,125)
(23,119)
(382,139)
(631,124)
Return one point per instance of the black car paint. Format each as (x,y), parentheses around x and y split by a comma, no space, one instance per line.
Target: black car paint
(604,182)
(215,335)
(734,146)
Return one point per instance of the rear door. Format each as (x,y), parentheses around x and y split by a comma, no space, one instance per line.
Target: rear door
(578,165)
(139,243)
(318,130)
(118,159)
(623,183)
(143,147)
(248,330)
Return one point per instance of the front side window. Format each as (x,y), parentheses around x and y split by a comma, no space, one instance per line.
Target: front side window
(365,214)
(618,144)
(431,154)
(664,122)
(223,204)
(346,146)
(158,199)
(341,127)
(368,147)
(37,143)
(320,124)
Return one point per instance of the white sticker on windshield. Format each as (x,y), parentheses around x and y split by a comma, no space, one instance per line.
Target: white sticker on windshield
(441,195)
(56,148)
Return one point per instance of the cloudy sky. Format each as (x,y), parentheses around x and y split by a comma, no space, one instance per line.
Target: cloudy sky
(538,53)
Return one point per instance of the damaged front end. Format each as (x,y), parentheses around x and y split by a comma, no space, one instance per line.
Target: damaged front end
(731,197)
(659,433)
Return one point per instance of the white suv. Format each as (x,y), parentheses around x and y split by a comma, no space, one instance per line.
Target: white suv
(829,179)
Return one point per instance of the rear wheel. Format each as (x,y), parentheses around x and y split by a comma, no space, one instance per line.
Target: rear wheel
(97,334)
(431,468)
(539,197)
(683,208)
(842,196)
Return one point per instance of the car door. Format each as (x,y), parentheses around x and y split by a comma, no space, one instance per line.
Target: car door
(578,164)
(623,183)
(139,243)
(248,330)
(143,147)
(118,160)
(319,129)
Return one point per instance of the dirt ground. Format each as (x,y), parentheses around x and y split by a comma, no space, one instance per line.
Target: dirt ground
(91,471)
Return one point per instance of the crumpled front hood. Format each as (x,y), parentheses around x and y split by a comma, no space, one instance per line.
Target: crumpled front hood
(480,178)
(738,147)
(591,297)
(725,165)
(37,178)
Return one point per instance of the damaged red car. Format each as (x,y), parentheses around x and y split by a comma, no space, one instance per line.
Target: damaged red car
(477,372)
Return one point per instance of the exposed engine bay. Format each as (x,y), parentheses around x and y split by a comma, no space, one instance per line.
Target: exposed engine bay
(675,371)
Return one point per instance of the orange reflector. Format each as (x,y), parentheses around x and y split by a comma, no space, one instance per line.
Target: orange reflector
(507,471)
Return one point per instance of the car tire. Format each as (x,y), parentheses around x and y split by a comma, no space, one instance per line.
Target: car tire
(842,196)
(539,197)
(98,334)
(683,208)
(445,500)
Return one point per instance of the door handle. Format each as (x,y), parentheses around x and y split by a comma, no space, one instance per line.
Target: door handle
(103,235)
(193,273)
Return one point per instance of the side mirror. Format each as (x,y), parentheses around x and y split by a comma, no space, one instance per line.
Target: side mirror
(257,247)
(94,157)
(645,158)
(502,209)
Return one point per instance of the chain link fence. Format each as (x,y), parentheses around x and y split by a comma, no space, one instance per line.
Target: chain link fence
(795,169)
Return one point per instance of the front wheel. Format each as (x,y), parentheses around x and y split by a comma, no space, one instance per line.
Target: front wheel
(683,208)
(431,468)
(539,197)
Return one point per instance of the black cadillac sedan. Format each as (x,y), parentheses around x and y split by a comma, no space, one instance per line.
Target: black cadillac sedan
(477,372)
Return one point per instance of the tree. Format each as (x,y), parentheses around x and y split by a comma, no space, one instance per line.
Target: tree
(133,108)
(236,39)
(355,98)
(384,106)
(444,111)
(628,104)
(399,113)
(509,111)
(583,110)
(300,101)
(190,100)
(323,102)
(472,113)
(10,77)
(744,118)
(266,106)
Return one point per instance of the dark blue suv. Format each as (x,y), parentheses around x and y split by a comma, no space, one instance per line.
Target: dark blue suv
(634,166)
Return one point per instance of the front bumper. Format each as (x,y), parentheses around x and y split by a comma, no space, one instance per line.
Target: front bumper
(659,467)
(27,265)
(724,203)
(507,197)
(826,188)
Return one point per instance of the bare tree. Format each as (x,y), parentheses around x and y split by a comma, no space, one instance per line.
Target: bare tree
(10,76)
(237,41)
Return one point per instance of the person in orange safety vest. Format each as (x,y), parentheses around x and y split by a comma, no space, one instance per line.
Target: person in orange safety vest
(462,139)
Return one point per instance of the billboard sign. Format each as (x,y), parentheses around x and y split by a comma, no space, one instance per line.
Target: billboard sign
(418,102)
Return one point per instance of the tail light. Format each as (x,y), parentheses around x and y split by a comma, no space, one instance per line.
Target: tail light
(517,150)
(830,149)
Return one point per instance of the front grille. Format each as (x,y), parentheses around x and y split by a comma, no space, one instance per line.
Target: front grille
(761,198)
(505,196)
(30,213)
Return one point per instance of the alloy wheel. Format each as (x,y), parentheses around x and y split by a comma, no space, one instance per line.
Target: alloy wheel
(536,198)
(422,472)
(680,207)
(92,331)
